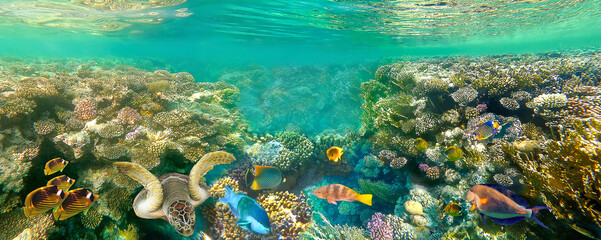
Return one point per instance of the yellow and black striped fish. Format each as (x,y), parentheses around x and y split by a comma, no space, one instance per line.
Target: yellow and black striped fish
(63,182)
(486,130)
(43,199)
(78,200)
(55,165)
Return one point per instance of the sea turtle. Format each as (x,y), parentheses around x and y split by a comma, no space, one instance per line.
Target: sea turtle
(173,196)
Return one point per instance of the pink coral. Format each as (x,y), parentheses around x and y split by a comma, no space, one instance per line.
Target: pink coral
(379,229)
(86,110)
(128,115)
(481,107)
(423,167)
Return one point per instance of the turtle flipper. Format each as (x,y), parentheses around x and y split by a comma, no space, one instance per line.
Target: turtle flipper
(201,167)
(154,196)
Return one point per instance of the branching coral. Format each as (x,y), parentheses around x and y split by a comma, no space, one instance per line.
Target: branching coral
(464,95)
(571,163)
(115,202)
(15,222)
(316,231)
(379,229)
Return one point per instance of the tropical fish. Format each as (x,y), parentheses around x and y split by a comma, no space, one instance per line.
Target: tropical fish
(453,153)
(43,199)
(420,144)
(501,205)
(55,165)
(583,231)
(453,209)
(526,146)
(334,153)
(266,177)
(251,216)
(486,130)
(62,182)
(338,192)
(78,200)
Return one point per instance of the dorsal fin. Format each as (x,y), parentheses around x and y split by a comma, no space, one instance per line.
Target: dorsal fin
(259,169)
(510,194)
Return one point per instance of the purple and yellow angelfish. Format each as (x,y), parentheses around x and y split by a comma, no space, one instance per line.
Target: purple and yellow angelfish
(501,205)
(486,130)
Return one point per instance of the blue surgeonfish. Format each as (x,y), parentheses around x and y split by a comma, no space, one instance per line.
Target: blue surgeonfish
(501,205)
(251,216)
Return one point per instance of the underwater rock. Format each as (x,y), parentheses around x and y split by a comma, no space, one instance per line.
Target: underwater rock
(413,208)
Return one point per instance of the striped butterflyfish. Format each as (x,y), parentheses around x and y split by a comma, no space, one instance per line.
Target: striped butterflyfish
(55,165)
(43,199)
(486,130)
(78,200)
(63,182)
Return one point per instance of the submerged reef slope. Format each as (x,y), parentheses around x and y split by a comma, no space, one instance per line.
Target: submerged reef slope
(546,145)
(93,113)
(426,131)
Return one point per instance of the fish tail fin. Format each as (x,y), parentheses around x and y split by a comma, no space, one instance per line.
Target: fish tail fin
(27,211)
(535,211)
(365,198)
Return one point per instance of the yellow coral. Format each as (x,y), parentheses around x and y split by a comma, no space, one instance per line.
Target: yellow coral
(91,219)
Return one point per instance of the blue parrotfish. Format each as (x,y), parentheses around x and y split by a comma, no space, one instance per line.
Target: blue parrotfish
(265,177)
(501,205)
(251,216)
(486,130)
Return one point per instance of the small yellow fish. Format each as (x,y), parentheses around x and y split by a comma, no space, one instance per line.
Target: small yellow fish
(77,200)
(334,153)
(42,200)
(55,165)
(453,209)
(453,153)
(420,144)
(63,182)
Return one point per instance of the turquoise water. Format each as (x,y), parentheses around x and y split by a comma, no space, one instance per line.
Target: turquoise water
(161,83)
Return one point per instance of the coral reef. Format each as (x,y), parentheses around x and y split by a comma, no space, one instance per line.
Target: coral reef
(379,229)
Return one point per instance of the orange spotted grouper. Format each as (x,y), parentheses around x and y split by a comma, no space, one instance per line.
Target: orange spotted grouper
(338,192)
(501,205)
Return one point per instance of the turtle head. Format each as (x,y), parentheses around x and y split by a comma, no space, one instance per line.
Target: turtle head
(182,217)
